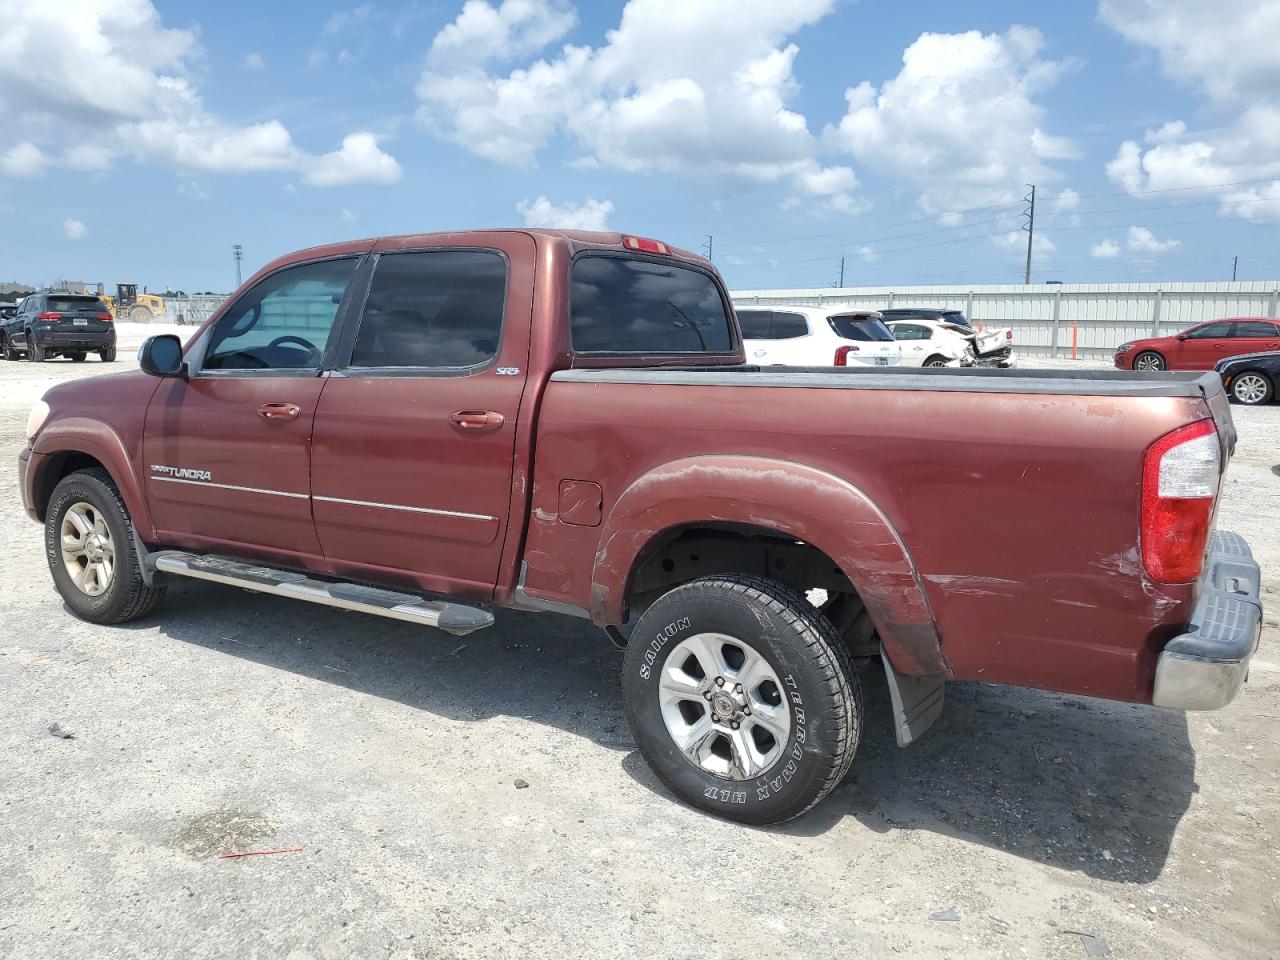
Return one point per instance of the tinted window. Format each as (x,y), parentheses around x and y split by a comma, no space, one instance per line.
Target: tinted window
(755,324)
(1210,331)
(282,322)
(787,326)
(1255,328)
(60,303)
(911,331)
(440,308)
(859,328)
(622,305)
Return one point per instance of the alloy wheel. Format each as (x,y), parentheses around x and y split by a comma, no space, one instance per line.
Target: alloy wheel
(1249,388)
(88,552)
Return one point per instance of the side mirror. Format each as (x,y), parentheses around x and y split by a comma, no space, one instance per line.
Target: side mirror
(161,355)
(1182,336)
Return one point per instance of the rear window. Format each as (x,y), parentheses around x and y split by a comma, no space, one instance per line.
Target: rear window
(624,305)
(65,304)
(859,328)
(1255,328)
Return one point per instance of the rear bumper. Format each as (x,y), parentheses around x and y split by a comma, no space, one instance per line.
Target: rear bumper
(1204,668)
(78,341)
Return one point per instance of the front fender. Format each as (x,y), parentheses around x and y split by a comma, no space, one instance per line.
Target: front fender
(97,440)
(793,499)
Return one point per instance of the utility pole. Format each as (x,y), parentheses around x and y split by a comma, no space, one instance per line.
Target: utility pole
(238,252)
(1030,214)
(841,284)
(706,245)
(1235,262)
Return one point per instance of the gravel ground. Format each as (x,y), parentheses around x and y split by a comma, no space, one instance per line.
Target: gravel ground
(395,758)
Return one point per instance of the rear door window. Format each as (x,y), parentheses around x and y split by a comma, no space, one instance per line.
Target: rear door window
(911,331)
(436,309)
(788,326)
(1255,328)
(860,328)
(627,305)
(755,324)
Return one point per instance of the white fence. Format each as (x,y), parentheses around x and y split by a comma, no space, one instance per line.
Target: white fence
(1047,317)
(192,311)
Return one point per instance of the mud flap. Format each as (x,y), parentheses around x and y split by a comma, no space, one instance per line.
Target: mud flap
(917,702)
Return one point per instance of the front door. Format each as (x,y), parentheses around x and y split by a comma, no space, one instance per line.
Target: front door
(227,449)
(1202,347)
(415,433)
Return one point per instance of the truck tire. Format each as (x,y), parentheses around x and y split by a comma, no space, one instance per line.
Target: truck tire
(1148,360)
(107,354)
(140,314)
(89,544)
(741,698)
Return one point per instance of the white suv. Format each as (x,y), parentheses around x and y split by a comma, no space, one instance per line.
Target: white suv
(816,337)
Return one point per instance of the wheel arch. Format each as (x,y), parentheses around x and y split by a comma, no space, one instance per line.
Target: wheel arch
(65,446)
(809,513)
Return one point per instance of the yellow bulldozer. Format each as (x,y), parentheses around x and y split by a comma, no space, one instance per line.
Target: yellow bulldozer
(129,304)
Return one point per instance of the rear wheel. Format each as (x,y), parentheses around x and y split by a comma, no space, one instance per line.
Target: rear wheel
(1253,388)
(90,548)
(936,361)
(107,354)
(35,352)
(1149,360)
(741,698)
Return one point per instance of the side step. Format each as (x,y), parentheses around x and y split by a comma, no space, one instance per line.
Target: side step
(455,618)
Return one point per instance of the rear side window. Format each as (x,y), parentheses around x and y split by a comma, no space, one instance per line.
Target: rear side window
(433,309)
(624,305)
(1255,328)
(755,324)
(860,328)
(283,321)
(911,331)
(64,304)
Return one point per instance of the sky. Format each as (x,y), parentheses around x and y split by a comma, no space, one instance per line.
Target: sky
(140,140)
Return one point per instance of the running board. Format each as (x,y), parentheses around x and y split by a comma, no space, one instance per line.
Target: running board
(455,618)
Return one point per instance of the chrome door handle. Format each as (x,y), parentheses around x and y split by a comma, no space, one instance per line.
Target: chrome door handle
(279,411)
(477,419)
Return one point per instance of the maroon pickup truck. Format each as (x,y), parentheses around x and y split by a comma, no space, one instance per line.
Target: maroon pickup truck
(424,427)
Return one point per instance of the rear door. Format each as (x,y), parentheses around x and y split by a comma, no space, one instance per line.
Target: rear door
(415,434)
(915,340)
(757,336)
(794,342)
(1254,336)
(227,450)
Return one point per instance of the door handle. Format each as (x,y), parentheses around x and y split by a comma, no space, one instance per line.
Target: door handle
(279,411)
(757,353)
(477,419)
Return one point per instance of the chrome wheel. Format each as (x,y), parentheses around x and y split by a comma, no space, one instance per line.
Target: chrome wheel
(88,551)
(724,706)
(1250,388)
(1148,361)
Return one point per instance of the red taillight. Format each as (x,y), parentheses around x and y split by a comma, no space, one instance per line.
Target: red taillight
(49,316)
(842,355)
(106,317)
(1008,334)
(1180,475)
(646,246)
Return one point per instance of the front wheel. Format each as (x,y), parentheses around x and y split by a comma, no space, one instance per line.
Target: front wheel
(1150,360)
(741,698)
(1252,388)
(90,548)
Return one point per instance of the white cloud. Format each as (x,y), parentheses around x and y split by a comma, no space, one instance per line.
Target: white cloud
(23,161)
(138,100)
(1225,52)
(74,229)
(591,214)
(1017,240)
(698,89)
(868,254)
(349,216)
(254,61)
(1105,250)
(192,189)
(1066,201)
(1142,240)
(960,119)
(360,160)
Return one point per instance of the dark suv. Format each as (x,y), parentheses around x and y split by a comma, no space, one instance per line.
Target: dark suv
(925,313)
(49,325)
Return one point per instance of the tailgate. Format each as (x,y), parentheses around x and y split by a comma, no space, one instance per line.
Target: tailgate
(1211,386)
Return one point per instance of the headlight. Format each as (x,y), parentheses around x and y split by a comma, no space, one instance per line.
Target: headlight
(1124,348)
(35,420)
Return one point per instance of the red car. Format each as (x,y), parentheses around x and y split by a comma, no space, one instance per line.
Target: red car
(1200,347)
